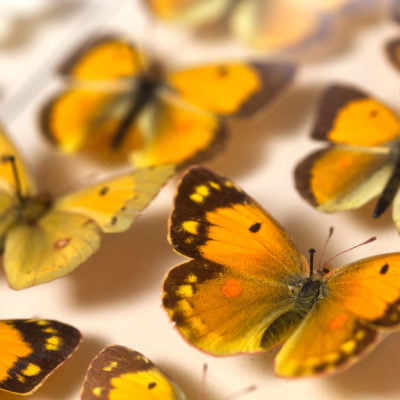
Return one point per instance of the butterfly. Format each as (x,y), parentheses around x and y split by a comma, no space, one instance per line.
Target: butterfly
(31,349)
(248,288)
(120,373)
(264,24)
(361,158)
(43,238)
(118,105)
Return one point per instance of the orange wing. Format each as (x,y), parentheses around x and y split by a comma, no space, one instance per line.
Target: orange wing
(232,88)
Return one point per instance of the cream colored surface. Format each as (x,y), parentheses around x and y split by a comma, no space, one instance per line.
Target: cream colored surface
(115,297)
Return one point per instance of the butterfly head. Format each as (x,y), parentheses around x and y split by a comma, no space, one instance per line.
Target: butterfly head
(30,209)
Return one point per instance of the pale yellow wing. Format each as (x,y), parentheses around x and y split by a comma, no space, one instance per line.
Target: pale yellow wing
(50,248)
(115,203)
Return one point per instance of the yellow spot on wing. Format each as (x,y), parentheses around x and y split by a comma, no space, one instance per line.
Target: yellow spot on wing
(192,278)
(184,291)
(53,343)
(31,370)
(215,185)
(348,347)
(197,198)
(191,227)
(203,190)
(97,391)
(110,366)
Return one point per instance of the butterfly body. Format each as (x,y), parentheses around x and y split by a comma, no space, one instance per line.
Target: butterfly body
(247,287)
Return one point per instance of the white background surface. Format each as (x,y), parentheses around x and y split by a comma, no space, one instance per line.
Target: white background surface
(115,297)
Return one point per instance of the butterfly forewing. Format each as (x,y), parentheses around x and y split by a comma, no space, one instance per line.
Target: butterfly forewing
(120,373)
(31,350)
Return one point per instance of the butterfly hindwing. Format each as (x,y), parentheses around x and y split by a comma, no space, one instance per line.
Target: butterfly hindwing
(120,373)
(340,178)
(31,350)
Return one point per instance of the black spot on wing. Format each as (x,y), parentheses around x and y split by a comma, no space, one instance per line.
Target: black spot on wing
(103,191)
(384,269)
(152,385)
(255,227)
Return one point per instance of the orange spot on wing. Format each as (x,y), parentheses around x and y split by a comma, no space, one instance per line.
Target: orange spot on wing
(61,243)
(338,322)
(232,288)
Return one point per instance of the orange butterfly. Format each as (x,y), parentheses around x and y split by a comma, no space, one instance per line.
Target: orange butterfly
(360,160)
(118,105)
(248,288)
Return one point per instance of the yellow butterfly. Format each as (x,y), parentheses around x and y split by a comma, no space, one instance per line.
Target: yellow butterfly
(263,24)
(31,349)
(119,373)
(43,239)
(361,158)
(118,105)
(247,287)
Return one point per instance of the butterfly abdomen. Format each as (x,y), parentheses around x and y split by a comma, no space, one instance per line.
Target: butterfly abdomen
(390,189)
(146,87)
(283,326)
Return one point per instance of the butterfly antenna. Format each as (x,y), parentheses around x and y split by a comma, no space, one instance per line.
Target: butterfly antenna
(242,392)
(11,159)
(311,252)
(203,382)
(330,233)
(370,240)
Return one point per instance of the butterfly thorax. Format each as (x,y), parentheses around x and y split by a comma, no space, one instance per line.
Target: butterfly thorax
(306,297)
(144,90)
(30,209)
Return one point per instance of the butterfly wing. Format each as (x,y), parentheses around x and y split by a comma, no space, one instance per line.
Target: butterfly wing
(191,12)
(277,25)
(176,132)
(31,350)
(357,165)
(243,269)
(120,373)
(393,50)
(115,203)
(101,80)
(232,88)
(7,177)
(70,231)
(355,301)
